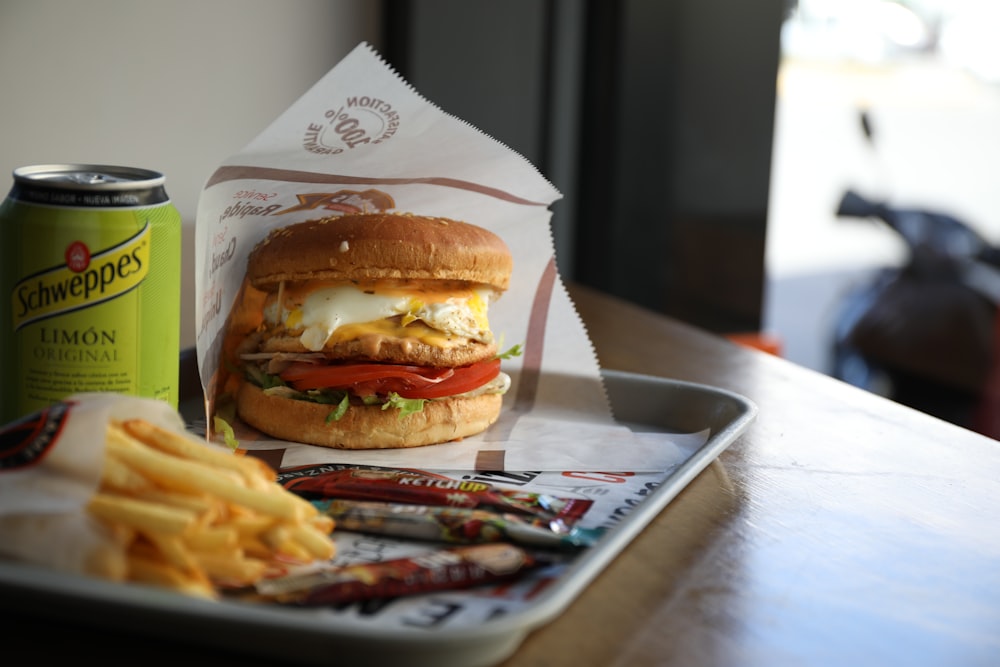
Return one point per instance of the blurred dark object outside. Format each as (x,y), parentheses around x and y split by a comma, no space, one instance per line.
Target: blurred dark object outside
(926,334)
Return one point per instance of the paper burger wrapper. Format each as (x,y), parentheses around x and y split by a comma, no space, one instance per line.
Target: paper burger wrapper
(363,140)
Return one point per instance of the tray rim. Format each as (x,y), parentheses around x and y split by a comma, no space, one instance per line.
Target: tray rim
(503,635)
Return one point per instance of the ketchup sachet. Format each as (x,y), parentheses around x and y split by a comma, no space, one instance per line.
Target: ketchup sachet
(446,569)
(459,525)
(406,486)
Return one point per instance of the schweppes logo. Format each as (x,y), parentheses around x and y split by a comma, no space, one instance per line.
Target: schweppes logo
(85,280)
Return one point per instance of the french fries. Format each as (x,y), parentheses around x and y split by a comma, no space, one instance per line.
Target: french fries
(196,519)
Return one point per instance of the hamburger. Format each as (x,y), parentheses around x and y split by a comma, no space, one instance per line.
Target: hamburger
(374,332)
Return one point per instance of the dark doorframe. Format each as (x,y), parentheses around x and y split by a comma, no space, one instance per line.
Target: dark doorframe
(654,118)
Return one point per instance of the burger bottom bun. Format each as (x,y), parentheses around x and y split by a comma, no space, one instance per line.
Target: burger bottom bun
(366,426)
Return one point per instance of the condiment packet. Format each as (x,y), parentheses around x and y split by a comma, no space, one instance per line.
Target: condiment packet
(448,569)
(458,525)
(422,488)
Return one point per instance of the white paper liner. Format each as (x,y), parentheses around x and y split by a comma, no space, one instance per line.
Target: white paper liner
(362,139)
(47,478)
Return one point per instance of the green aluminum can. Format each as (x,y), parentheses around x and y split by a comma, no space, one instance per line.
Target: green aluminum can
(91,279)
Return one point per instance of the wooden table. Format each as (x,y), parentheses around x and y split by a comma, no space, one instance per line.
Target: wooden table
(840,529)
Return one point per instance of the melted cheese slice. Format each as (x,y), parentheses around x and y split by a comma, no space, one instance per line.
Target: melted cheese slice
(326,311)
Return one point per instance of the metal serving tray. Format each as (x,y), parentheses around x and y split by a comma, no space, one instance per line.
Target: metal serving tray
(310,636)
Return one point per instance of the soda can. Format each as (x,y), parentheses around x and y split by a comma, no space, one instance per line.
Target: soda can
(90,273)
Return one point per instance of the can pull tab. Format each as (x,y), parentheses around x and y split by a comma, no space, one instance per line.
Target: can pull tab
(94,178)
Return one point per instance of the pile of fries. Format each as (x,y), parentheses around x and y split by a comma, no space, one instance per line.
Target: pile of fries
(197,519)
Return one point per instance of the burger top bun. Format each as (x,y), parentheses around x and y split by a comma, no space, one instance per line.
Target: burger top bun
(380,246)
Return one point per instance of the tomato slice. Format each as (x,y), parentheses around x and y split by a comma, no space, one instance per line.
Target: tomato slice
(462,380)
(406,380)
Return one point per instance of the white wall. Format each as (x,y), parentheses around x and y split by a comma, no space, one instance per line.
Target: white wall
(175,86)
